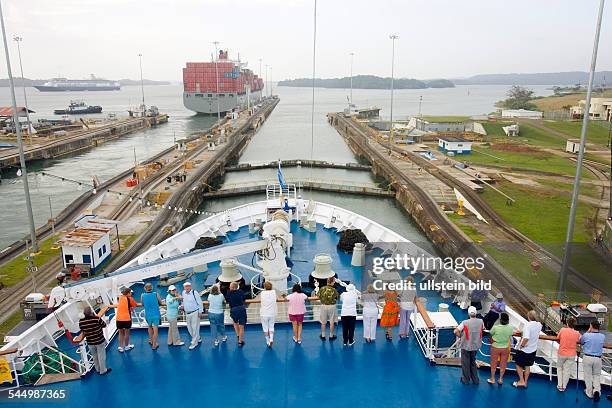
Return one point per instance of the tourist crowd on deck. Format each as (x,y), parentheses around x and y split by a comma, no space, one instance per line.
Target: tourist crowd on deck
(397,311)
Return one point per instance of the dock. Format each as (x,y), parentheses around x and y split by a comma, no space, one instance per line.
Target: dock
(88,137)
(345,187)
(298,163)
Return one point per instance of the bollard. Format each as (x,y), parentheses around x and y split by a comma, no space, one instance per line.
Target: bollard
(358,258)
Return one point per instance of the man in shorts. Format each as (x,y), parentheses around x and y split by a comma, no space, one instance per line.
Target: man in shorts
(527,348)
(329,312)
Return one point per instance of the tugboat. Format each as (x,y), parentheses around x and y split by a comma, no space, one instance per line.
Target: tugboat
(78,108)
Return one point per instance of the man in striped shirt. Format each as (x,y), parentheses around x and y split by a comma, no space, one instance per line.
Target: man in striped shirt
(91,326)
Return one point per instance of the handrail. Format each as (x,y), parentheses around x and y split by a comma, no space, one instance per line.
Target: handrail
(9,351)
(428,322)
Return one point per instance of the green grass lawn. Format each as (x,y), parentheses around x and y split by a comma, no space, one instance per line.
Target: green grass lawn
(15,270)
(12,321)
(568,186)
(519,265)
(469,230)
(534,160)
(538,137)
(543,217)
(595,133)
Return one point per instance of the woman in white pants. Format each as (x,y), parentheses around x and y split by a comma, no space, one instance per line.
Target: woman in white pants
(267,312)
(370,314)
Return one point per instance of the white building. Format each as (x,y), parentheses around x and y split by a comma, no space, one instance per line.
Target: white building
(455,145)
(89,244)
(572,145)
(521,113)
(600,109)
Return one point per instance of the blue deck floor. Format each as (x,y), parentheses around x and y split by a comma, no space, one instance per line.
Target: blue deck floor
(314,374)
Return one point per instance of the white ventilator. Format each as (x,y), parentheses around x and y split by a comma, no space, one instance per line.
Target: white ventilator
(358,258)
(323,269)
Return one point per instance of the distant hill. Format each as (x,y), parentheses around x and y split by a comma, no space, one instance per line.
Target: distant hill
(31,82)
(368,82)
(546,78)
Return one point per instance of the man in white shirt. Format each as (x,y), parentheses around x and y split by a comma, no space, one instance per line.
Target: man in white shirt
(193,307)
(527,348)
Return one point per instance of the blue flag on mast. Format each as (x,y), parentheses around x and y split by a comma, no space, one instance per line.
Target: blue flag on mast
(281,180)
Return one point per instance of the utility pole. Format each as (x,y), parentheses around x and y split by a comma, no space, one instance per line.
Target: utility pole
(585,122)
(24,174)
(217,80)
(144,108)
(25,96)
(420,102)
(352,54)
(393,37)
(52,220)
(271,93)
(267,84)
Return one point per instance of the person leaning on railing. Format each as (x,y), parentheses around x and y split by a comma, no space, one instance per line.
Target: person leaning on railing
(500,337)
(173,301)
(268,311)
(216,316)
(592,349)
(91,326)
(328,311)
(235,298)
(568,339)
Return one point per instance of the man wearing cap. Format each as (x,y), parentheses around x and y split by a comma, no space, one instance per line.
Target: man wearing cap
(470,334)
(193,307)
(173,301)
(496,308)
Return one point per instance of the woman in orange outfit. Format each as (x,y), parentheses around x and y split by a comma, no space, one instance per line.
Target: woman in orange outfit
(390,314)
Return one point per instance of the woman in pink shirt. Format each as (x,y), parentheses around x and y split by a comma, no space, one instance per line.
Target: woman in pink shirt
(568,338)
(297,309)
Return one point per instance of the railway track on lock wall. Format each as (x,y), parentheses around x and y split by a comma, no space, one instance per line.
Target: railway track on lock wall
(11,297)
(515,293)
(155,231)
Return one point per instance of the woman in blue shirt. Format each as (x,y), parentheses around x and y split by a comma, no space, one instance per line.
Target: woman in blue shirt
(216,315)
(151,302)
(173,301)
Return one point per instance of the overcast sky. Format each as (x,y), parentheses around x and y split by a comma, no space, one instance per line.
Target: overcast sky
(437,38)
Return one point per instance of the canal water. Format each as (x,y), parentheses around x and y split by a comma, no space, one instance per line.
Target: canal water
(286,135)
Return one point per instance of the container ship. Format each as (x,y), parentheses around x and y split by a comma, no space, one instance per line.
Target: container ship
(221,84)
(70,85)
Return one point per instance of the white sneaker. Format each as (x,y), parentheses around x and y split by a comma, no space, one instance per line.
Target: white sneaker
(216,343)
(191,347)
(182,343)
(224,339)
(199,339)
(129,347)
(120,349)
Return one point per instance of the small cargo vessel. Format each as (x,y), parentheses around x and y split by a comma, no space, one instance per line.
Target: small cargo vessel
(78,108)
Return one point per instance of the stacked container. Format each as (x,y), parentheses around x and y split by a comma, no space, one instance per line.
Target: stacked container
(203,77)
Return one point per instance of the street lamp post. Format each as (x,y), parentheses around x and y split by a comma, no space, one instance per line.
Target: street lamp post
(271,92)
(217,80)
(142,86)
(352,54)
(260,76)
(565,265)
(24,175)
(267,84)
(25,96)
(393,37)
